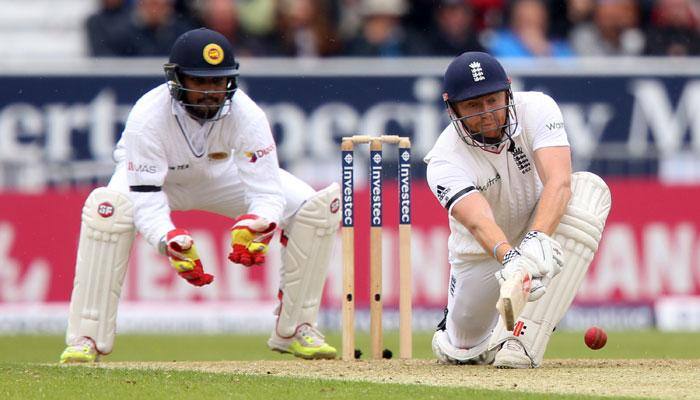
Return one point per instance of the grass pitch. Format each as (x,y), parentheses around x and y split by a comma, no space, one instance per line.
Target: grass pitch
(173,367)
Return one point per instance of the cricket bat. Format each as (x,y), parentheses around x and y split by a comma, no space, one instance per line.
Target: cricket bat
(513,298)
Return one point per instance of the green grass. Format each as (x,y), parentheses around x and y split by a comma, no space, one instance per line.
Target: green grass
(646,344)
(53,382)
(21,377)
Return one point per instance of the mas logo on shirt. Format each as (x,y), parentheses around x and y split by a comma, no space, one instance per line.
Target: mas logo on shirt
(147,168)
(255,155)
(521,160)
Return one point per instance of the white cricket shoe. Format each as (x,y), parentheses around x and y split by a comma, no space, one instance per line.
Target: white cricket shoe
(512,355)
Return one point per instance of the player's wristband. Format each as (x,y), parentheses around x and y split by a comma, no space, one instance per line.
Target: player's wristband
(502,242)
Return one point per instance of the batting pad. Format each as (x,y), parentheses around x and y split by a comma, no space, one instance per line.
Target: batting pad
(579,233)
(305,260)
(106,234)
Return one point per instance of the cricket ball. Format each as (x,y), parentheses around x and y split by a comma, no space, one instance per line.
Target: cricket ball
(595,338)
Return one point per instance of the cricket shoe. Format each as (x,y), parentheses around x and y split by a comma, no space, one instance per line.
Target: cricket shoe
(81,350)
(446,353)
(307,342)
(512,355)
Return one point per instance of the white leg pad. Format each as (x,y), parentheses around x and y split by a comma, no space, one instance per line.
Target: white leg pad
(106,234)
(579,233)
(305,260)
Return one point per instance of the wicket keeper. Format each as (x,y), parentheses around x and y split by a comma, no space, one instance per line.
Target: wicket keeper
(199,142)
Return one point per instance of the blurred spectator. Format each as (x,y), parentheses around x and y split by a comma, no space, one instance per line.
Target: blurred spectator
(305,29)
(349,18)
(527,36)
(674,31)
(103,31)
(564,15)
(257,17)
(148,30)
(223,17)
(454,32)
(420,16)
(488,13)
(614,30)
(382,33)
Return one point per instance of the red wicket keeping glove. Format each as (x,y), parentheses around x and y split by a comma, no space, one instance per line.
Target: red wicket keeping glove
(250,237)
(182,254)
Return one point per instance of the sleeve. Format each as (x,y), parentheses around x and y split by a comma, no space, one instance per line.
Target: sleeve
(449,183)
(256,159)
(549,126)
(147,167)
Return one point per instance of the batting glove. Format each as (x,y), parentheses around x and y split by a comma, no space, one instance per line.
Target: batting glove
(183,256)
(514,261)
(250,239)
(545,251)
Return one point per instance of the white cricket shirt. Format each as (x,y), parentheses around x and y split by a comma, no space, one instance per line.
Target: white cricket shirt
(162,146)
(508,180)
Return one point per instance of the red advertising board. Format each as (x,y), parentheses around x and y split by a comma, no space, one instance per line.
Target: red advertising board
(650,248)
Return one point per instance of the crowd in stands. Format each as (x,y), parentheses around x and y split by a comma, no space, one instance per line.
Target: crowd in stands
(389,28)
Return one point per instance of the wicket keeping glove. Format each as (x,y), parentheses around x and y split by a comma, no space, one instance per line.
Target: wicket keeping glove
(182,254)
(250,239)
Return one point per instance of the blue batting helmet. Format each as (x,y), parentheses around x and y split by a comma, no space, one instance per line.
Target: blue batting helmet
(201,53)
(474,74)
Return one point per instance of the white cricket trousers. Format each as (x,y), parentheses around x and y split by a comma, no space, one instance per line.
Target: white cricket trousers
(471,302)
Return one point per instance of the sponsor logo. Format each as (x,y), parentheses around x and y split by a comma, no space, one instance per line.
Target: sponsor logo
(255,155)
(179,167)
(149,169)
(442,192)
(405,192)
(376,189)
(521,160)
(348,217)
(105,209)
(220,155)
(477,72)
(335,205)
(405,155)
(213,54)
(554,125)
(489,183)
(376,198)
(519,329)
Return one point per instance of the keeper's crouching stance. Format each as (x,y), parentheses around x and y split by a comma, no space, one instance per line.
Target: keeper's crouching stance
(502,170)
(197,142)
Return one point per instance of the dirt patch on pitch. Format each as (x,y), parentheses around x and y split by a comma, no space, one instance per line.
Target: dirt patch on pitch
(664,379)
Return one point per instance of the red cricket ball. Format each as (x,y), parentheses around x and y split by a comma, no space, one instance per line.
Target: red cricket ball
(595,338)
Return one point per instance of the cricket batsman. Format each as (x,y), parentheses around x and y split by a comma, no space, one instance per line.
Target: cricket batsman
(199,142)
(502,170)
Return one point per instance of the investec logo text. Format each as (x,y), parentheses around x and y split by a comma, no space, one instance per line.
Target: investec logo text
(348,217)
(405,188)
(376,190)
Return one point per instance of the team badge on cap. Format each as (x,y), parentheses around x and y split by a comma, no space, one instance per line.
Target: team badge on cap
(213,54)
(477,71)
